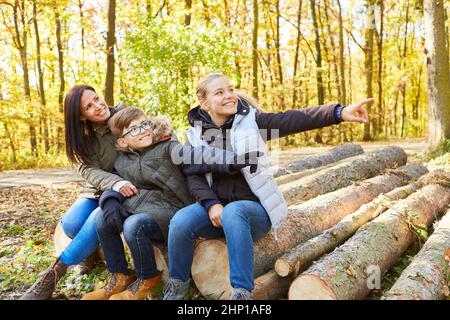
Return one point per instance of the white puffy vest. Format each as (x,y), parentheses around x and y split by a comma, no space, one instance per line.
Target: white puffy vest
(245,137)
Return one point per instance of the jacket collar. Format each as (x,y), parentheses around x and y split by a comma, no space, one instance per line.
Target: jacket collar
(197,114)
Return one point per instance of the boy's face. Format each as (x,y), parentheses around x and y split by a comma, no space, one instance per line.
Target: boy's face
(138,135)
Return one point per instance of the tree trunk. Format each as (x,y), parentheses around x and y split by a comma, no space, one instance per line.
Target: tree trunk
(342,175)
(255,50)
(41,80)
(62,83)
(341,56)
(297,53)
(271,286)
(303,222)
(368,63)
(300,257)
(318,58)
(380,118)
(426,277)
(347,273)
(110,60)
(438,72)
(187,15)
(302,167)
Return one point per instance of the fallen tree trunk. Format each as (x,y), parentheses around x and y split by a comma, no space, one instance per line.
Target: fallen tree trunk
(342,175)
(336,154)
(427,276)
(271,286)
(304,221)
(300,257)
(61,241)
(354,268)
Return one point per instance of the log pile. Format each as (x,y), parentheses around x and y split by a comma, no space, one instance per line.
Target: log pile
(304,221)
(351,217)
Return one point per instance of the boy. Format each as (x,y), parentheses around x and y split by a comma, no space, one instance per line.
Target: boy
(149,158)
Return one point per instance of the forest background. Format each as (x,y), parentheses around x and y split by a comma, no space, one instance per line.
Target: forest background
(150,54)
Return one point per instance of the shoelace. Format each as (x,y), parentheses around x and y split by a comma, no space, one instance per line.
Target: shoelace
(112,282)
(44,275)
(135,285)
(169,288)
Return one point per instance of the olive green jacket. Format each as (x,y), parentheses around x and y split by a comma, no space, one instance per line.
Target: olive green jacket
(162,185)
(97,172)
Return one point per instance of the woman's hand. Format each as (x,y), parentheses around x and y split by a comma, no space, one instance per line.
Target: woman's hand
(215,215)
(128,190)
(356,112)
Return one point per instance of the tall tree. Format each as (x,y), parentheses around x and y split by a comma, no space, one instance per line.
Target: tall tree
(438,72)
(62,82)
(296,56)
(368,62)
(40,79)
(341,56)
(318,57)
(110,60)
(255,50)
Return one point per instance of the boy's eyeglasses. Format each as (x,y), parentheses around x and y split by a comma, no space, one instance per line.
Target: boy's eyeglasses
(146,125)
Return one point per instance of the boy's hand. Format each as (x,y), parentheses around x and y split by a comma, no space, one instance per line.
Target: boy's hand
(215,215)
(356,111)
(128,190)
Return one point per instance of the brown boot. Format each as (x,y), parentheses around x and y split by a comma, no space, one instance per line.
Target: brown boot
(116,284)
(43,288)
(138,290)
(88,264)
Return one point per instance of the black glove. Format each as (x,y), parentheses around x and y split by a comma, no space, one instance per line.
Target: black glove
(113,212)
(247,159)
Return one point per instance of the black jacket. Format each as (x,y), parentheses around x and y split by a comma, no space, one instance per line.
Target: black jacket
(227,188)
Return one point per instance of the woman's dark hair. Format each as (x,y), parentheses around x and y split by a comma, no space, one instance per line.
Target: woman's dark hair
(80,137)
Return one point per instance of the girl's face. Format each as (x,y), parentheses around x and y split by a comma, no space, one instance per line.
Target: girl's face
(93,108)
(220,101)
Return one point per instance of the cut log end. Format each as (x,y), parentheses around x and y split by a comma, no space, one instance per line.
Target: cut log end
(60,240)
(310,287)
(211,277)
(283,268)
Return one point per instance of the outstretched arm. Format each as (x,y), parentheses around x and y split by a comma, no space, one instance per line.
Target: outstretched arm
(295,121)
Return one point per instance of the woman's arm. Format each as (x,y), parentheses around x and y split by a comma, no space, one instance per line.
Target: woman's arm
(294,121)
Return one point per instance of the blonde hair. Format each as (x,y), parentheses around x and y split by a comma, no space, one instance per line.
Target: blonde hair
(202,91)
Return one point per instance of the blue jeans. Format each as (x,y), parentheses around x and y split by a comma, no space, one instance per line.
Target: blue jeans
(138,230)
(243,222)
(78,223)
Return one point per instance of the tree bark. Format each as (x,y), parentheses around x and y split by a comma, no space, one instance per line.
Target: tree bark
(255,50)
(368,64)
(346,273)
(438,72)
(312,164)
(318,58)
(342,175)
(110,60)
(62,82)
(426,277)
(299,258)
(41,80)
(341,56)
(210,270)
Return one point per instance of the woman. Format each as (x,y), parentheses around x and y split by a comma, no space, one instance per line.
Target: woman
(240,207)
(90,144)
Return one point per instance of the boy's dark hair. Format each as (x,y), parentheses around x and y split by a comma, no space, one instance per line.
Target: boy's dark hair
(122,120)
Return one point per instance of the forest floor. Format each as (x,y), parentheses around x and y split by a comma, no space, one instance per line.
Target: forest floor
(32,202)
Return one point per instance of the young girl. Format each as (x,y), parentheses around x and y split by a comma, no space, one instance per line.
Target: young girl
(240,207)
